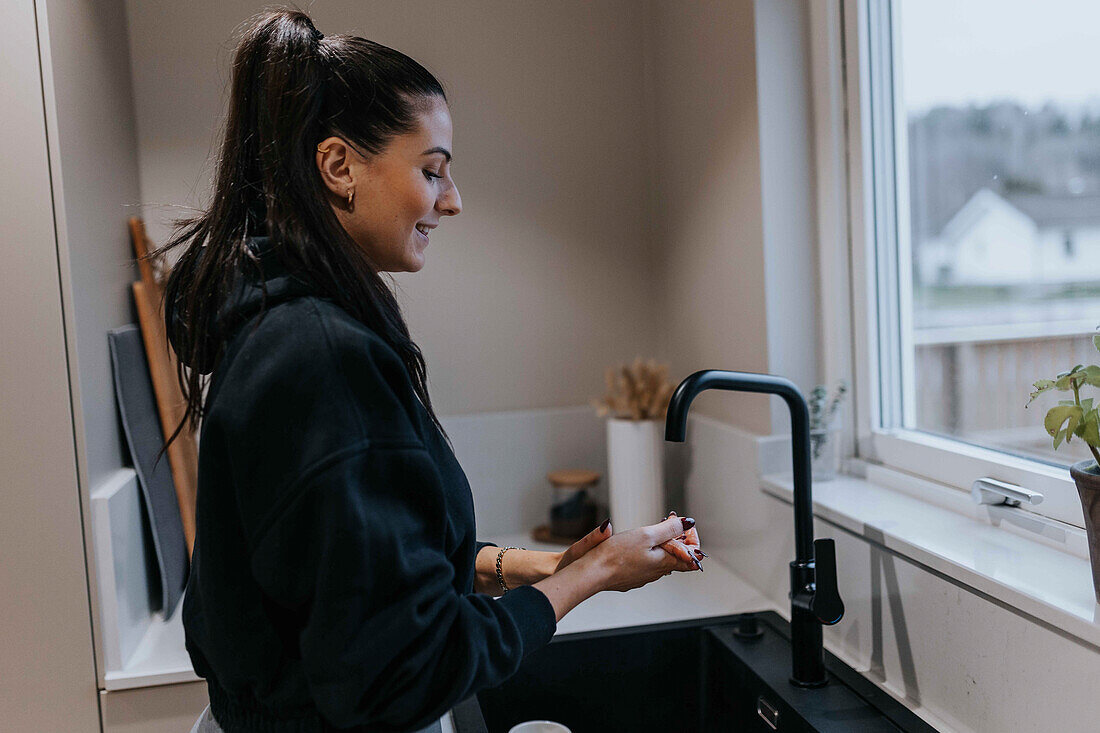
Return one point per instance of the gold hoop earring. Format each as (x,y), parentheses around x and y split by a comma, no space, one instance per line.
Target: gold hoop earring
(351,196)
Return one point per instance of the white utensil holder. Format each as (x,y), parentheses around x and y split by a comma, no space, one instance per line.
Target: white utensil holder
(636,476)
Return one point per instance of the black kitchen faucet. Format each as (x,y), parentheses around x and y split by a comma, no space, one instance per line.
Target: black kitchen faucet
(815,599)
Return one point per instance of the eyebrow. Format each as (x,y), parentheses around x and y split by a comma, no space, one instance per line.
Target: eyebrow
(446,153)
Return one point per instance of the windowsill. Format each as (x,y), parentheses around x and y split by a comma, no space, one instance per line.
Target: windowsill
(1036,577)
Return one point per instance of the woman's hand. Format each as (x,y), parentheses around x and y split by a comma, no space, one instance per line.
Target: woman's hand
(686,546)
(635,558)
(527,567)
(619,562)
(583,545)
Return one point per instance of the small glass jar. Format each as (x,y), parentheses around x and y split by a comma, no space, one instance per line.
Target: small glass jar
(824,453)
(572,511)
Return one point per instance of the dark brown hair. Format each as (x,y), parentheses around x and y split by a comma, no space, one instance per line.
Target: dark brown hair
(292,87)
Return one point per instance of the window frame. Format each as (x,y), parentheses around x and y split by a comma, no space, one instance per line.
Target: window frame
(849,43)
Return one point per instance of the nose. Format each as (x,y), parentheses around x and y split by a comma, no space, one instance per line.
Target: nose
(450,203)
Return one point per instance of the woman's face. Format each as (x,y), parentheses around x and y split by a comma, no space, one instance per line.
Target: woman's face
(400,193)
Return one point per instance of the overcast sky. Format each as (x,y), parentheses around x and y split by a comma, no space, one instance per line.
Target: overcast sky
(1033,51)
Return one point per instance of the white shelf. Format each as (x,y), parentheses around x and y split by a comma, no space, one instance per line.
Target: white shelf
(141,647)
(160,658)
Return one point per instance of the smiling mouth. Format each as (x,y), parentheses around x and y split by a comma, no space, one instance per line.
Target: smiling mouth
(423,231)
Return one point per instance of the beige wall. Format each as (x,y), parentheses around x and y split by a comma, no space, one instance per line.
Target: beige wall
(609,157)
(544,279)
(706,194)
(733,194)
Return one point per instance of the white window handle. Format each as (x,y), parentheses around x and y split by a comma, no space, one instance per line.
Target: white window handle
(991,491)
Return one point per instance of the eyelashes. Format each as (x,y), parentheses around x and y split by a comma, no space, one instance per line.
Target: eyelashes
(431,176)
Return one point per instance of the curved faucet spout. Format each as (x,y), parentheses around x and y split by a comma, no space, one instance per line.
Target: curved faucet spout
(676,431)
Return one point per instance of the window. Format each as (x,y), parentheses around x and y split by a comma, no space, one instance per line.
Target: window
(974,153)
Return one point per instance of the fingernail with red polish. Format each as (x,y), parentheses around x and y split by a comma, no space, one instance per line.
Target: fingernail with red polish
(688,523)
(603,527)
(700,554)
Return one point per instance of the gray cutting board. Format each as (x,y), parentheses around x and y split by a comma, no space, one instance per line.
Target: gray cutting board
(141,423)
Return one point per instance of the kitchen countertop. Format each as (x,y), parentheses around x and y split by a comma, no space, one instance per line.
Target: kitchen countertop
(716,591)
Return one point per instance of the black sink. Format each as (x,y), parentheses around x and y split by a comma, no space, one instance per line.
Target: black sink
(710,674)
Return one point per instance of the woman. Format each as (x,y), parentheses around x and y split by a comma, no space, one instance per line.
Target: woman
(336,581)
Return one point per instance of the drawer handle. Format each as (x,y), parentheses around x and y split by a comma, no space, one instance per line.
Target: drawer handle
(767,712)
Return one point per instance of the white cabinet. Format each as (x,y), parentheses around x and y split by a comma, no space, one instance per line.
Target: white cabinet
(47,667)
(158,709)
(68,182)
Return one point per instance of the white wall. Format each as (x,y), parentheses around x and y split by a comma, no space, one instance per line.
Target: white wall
(507,455)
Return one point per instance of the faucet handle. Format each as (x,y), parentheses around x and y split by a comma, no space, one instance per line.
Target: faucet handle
(826,604)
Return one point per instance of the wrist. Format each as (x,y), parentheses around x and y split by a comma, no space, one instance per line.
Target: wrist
(517,566)
(527,567)
(485,576)
(596,575)
(572,585)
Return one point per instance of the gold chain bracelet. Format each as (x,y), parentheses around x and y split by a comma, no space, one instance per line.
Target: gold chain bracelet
(500,573)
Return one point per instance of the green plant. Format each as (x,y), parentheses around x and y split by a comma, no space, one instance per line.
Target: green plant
(1076,417)
(822,408)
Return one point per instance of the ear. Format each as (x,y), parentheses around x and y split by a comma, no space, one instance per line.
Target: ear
(337,162)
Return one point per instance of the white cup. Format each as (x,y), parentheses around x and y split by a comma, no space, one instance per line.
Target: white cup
(539,726)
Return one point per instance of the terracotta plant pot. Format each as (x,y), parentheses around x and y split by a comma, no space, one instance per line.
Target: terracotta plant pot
(1087,477)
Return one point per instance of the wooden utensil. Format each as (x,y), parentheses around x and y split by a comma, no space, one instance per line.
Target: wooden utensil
(183,453)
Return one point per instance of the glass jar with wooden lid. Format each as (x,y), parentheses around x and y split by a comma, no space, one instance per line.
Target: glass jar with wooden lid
(572,511)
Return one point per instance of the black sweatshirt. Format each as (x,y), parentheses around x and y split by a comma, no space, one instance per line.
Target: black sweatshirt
(331,586)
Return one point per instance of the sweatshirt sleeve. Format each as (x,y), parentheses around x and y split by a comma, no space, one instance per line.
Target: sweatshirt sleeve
(345,516)
(387,641)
